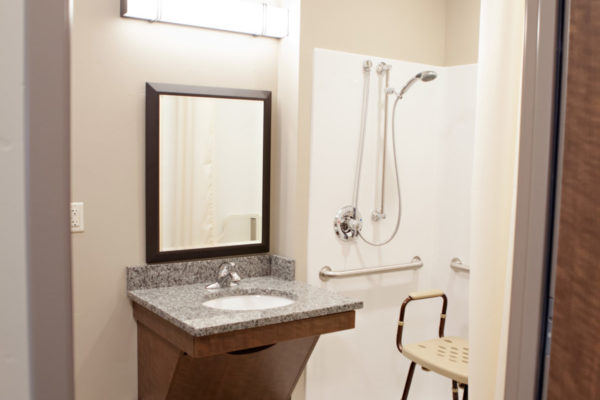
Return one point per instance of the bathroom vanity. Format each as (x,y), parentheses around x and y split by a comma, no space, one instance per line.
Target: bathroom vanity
(199,343)
(249,341)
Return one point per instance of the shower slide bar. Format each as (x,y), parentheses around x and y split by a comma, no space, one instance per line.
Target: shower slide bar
(457,265)
(327,273)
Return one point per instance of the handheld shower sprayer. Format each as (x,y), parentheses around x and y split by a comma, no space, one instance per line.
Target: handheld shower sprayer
(424,76)
(348,221)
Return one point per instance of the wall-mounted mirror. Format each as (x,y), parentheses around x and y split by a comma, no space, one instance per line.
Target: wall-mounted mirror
(207,171)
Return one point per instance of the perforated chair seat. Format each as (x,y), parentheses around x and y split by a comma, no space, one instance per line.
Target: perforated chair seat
(447,356)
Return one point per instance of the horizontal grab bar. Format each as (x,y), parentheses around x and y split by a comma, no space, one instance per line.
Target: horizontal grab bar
(457,265)
(327,273)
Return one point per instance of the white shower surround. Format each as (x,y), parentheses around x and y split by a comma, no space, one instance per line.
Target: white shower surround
(435,135)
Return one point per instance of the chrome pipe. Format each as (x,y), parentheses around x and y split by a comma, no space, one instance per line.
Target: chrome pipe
(457,265)
(327,273)
(383,68)
(367,64)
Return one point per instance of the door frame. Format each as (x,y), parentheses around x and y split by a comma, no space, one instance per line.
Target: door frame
(47,166)
(536,200)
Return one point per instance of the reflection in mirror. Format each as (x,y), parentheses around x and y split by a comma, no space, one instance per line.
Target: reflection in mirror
(210,171)
(207,172)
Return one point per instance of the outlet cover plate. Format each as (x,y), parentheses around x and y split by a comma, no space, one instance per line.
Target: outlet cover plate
(77,217)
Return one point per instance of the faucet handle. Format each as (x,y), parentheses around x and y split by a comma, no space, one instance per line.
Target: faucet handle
(227,276)
(225,269)
(235,277)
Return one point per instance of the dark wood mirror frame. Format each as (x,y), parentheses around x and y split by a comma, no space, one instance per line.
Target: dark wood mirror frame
(153,91)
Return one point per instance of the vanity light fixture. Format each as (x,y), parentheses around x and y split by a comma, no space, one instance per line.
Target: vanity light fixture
(250,17)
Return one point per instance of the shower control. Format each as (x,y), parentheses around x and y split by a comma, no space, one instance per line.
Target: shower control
(347,223)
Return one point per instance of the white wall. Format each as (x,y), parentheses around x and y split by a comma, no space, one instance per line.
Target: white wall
(359,27)
(14,333)
(435,128)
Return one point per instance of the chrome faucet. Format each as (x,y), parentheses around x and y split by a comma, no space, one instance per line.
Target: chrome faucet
(226,277)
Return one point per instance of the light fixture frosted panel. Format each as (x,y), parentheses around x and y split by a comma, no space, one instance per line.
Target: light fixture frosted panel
(141,9)
(276,22)
(224,15)
(229,15)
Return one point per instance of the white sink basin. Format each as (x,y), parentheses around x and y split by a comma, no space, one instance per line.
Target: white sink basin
(248,302)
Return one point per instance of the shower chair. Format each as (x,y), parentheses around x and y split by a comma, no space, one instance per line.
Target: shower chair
(446,355)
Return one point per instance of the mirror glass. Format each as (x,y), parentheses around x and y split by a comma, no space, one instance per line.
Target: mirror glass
(211,166)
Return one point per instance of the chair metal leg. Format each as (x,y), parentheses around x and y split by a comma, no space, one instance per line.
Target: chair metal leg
(454,390)
(466,393)
(411,371)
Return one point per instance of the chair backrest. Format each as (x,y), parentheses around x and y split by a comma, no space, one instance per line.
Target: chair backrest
(421,296)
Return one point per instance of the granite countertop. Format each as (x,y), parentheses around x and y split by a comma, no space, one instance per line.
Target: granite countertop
(181,304)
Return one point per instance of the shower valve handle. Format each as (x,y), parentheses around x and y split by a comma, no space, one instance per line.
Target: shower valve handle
(347,223)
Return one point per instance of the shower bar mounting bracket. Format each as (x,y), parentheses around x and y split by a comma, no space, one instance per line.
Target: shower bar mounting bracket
(382,67)
(457,265)
(376,215)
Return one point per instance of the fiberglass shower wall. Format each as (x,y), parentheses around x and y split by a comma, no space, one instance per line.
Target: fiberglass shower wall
(435,133)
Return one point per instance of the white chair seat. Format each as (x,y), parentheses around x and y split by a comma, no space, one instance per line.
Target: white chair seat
(447,356)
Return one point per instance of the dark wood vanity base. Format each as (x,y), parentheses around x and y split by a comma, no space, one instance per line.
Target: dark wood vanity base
(262,363)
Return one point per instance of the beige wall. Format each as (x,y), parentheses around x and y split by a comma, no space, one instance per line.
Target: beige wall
(462,32)
(283,192)
(112,58)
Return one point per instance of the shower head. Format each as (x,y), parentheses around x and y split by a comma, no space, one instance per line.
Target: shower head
(425,76)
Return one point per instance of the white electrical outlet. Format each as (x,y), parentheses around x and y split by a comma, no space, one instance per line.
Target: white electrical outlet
(77,217)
